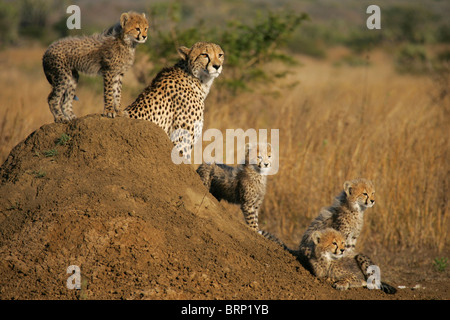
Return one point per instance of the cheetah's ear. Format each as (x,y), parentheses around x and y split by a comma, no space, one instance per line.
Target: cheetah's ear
(315,236)
(123,19)
(144,16)
(184,52)
(348,187)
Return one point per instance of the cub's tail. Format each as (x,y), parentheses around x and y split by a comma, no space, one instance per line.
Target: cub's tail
(364,263)
(275,239)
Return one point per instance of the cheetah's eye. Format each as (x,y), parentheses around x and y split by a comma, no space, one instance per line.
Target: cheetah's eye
(365,193)
(138,29)
(220,55)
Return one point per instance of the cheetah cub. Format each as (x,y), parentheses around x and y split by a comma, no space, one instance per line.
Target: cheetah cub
(346,215)
(175,99)
(109,54)
(322,258)
(328,247)
(244,184)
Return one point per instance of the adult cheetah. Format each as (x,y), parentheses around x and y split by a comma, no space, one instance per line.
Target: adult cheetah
(175,99)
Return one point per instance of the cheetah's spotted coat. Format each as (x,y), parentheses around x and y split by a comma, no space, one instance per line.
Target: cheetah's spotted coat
(244,184)
(109,54)
(175,99)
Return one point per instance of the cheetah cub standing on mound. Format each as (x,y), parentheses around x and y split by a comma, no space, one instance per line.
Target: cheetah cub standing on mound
(244,184)
(175,100)
(109,54)
(346,215)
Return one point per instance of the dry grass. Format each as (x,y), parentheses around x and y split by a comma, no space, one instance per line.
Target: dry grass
(336,123)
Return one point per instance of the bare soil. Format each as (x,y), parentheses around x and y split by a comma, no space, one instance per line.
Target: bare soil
(111,201)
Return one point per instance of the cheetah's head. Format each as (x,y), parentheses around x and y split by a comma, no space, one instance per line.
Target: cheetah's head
(134,26)
(329,244)
(261,155)
(205,60)
(360,194)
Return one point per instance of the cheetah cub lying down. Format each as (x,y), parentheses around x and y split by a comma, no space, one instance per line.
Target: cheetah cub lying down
(109,54)
(329,247)
(175,100)
(322,258)
(346,215)
(244,184)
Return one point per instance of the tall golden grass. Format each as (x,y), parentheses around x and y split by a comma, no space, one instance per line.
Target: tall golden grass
(339,123)
(336,123)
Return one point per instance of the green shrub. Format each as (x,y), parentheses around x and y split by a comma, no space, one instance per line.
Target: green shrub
(34,16)
(9,23)
(408,23)
(247,46)
(412,59)
(440,264)
(364,40)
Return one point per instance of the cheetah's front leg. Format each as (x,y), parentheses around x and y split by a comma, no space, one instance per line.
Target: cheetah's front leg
(205,173)
(184,134)
(112,94)
(250,211)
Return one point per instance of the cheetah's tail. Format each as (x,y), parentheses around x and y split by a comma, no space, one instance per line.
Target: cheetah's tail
(273,238)
(364,262)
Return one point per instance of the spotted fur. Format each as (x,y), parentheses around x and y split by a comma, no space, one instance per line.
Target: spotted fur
(109,54)
(175,99)
(328,247)
(323,256)
(346,215)
(244,184)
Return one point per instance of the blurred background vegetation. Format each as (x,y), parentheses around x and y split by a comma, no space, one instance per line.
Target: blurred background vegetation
(253,32)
